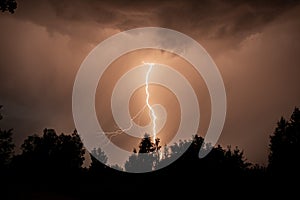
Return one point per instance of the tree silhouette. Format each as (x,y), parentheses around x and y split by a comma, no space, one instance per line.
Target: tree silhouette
(146,145)
(6,146)
(51,152)
(117,167)
(218,162)
(52,158)
(235,160)
(146,158)
(99,155)
(99,159)
(8,5)
(284,157)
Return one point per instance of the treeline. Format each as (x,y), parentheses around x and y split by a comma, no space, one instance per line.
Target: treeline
(53,163)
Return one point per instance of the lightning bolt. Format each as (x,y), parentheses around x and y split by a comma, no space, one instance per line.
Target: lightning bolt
(119,131)
(152,113)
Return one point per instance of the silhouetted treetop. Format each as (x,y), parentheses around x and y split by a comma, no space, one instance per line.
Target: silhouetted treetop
(6,146)
(146,145)
(99,159)
(147,156)
(99,155)
(8,5)
(284,157)
(51,151)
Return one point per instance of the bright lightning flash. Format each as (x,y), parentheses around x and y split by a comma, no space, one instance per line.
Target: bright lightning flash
(153,115)
(152,112)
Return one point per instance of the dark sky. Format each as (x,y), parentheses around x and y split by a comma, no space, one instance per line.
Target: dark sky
(255,44)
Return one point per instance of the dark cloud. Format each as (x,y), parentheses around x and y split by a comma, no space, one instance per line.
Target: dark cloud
(221,19)
(209,18)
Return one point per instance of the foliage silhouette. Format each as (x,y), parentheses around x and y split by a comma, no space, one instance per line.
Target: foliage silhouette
(218,162)
(6,146)
(284,157)
(51,152)
(97,155)
(146,158)
(8,5)
(48,159)
(146,145)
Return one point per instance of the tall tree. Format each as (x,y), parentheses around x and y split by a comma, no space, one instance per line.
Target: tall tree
(99,160)
(6,146)
(146,145)
(147,156)
(284,157)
